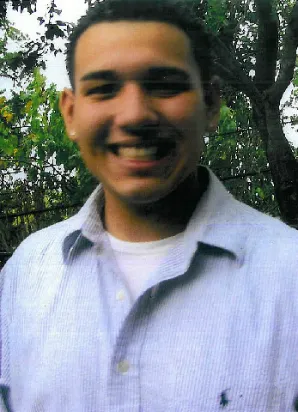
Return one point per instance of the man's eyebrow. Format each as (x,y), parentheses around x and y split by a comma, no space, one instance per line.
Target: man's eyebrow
(159,72)
(100,75)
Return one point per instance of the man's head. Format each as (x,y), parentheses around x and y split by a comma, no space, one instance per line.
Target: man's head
(138,109)
(173,12)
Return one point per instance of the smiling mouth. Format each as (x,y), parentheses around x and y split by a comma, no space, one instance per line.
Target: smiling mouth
(146,152)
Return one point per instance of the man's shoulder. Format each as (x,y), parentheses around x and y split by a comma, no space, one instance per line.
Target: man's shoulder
(53,233)
(249,234)
(256,221)
(45,241)
(267,238)
(239,218)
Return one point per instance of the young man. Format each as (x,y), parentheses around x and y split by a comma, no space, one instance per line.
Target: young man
(163,293)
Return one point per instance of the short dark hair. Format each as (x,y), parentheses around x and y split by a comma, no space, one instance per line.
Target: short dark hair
(174,12)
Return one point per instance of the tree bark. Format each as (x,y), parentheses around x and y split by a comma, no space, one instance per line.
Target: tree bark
(267,45)
(282,162)
(265,93)
(283,165)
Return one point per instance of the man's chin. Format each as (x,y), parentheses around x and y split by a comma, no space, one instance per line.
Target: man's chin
(143,197)
(149,192)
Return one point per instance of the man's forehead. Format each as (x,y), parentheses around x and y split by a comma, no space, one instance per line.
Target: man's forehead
(105,43)
(153,31)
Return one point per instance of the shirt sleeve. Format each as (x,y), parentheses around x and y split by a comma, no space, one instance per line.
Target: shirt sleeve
(4,339)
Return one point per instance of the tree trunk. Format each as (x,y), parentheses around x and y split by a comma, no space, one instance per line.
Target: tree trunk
(274,71)
(282,162)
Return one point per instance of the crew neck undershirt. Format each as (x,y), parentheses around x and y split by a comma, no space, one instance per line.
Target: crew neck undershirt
(138,261)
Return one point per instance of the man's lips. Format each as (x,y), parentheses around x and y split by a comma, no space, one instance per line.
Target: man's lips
(153,150)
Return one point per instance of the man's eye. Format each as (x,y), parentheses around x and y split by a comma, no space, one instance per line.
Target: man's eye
(105,91)
(166,88)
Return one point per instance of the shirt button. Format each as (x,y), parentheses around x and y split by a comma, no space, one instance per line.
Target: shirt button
(123,366)
(120,295)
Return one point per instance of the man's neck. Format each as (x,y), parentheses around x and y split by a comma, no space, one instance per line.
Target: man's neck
(159,220)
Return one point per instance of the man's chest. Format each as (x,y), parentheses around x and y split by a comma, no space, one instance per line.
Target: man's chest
(179,348)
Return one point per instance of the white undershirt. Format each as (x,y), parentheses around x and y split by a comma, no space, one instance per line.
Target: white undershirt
(139,260)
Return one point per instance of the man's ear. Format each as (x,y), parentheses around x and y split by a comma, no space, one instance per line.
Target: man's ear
(66,104)
(213,103)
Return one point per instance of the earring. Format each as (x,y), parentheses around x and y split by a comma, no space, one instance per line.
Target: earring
(72,133)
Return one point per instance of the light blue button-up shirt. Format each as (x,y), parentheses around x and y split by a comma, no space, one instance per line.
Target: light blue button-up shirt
(216,327)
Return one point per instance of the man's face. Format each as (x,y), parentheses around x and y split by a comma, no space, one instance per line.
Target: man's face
(137,113)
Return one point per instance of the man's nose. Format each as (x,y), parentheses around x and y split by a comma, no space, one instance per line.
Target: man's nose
(136,108)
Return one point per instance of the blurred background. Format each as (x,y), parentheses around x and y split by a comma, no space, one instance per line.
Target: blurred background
(254,151)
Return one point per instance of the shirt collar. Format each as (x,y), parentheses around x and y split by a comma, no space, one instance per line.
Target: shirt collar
(216,222)
(86,226)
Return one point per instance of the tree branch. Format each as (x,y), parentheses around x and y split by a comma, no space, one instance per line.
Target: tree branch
(231,71)
(267,44)
(8,76)
(288,59)
(243,175)
(34,159)
(39,211)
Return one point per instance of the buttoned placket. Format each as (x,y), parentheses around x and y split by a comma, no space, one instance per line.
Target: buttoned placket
(125,373)
(121,367)
(128,324)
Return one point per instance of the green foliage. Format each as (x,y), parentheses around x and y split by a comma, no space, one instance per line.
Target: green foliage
(40,168)
(237,156)
(12,52)
(236,27)
(29,54)
(19,5)
(216,14)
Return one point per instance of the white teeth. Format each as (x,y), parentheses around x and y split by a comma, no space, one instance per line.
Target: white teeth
(138,152)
